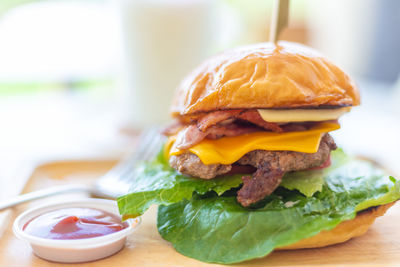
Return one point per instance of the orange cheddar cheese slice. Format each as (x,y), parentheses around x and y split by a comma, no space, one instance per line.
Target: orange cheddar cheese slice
(228,150)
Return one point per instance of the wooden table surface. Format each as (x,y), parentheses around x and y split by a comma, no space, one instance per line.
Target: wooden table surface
(379,247)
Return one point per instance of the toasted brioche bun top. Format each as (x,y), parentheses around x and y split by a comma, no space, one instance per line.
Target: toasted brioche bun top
(265,75)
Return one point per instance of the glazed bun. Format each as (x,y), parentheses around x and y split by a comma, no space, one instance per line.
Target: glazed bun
(265,75)
(342,232)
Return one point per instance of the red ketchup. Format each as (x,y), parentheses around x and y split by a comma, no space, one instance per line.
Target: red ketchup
(74,223)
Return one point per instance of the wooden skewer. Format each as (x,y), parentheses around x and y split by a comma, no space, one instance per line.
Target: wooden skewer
(279,20)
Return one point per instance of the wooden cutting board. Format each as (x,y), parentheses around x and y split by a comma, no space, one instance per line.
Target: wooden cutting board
(379,247)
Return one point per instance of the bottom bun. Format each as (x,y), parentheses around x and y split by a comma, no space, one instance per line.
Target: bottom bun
(343,231)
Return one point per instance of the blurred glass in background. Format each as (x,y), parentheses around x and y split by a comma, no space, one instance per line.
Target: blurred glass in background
(83,71)
(162,41)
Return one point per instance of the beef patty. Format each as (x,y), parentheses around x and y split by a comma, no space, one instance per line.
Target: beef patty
(271,166)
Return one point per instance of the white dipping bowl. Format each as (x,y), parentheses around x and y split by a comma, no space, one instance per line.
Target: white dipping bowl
(77,250)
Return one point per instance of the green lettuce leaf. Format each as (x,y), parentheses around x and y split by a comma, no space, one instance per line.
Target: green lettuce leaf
(158,183)
(306,182)
(311,181)
(214,228)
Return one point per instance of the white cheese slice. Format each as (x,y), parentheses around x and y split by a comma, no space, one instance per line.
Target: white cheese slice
(298,115)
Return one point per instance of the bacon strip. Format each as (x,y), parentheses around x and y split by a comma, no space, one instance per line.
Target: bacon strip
(254,117)
(217,124)
(191,135)
(215,117)
(173,128)
(218,131)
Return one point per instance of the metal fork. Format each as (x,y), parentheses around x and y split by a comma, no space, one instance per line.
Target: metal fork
(113,184)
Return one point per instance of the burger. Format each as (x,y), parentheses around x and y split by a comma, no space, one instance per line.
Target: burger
(249,165)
